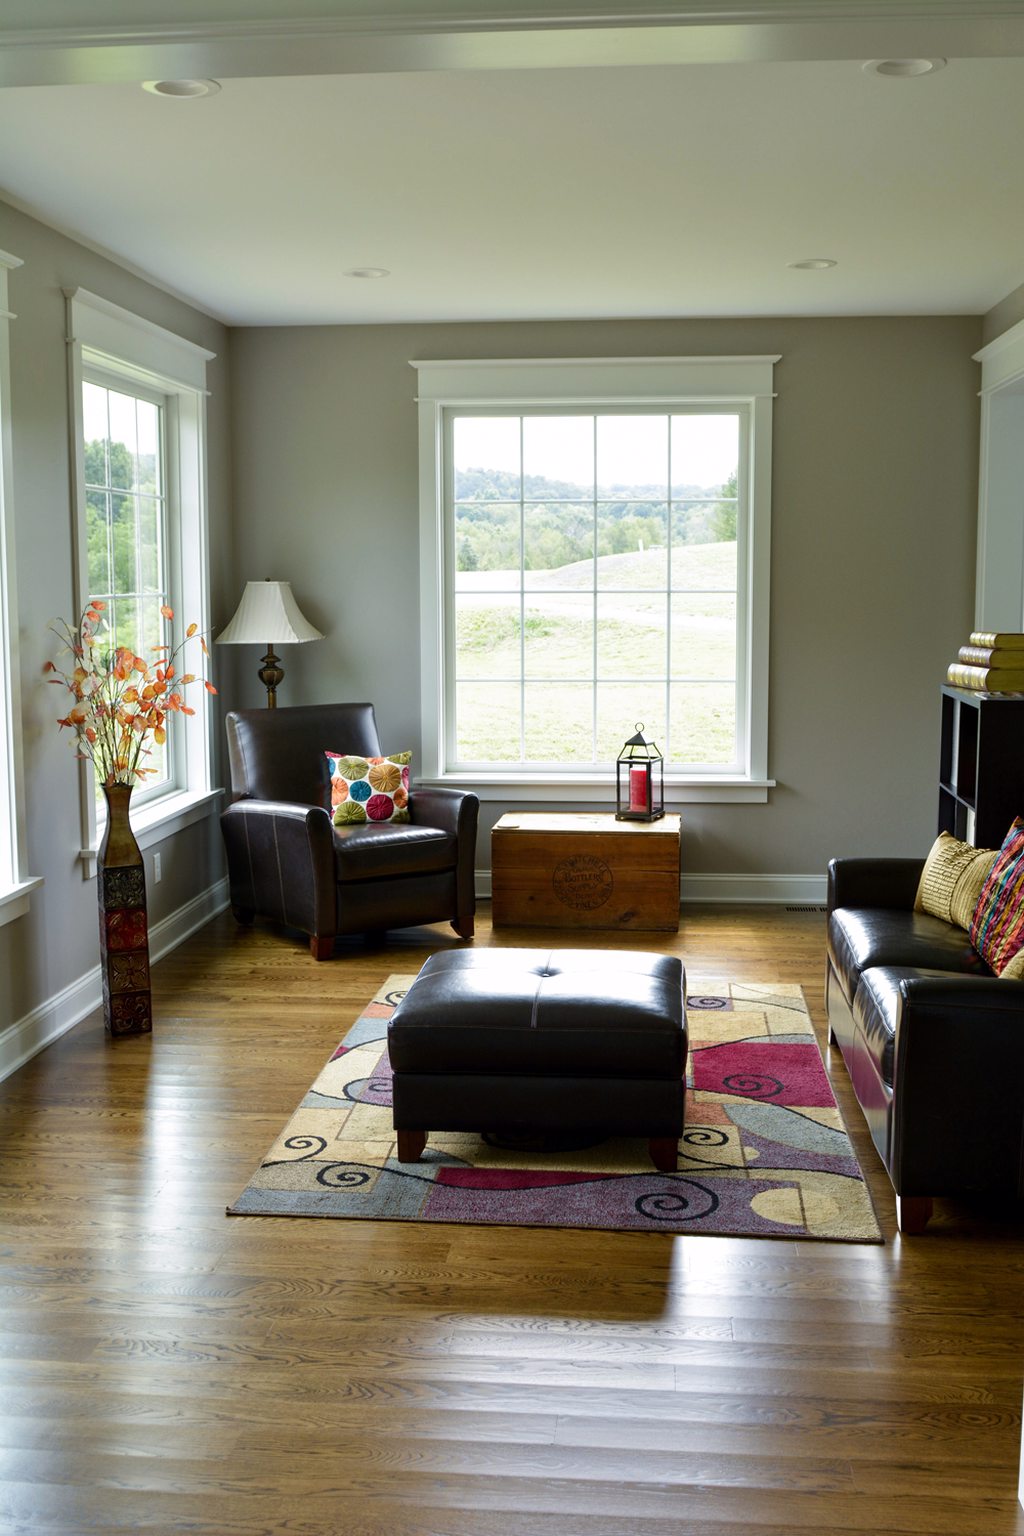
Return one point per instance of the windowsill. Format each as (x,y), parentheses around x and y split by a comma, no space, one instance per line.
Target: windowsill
(14,902)
(158,820)
(698,790)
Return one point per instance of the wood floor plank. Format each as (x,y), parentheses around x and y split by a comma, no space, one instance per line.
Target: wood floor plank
(165,1368)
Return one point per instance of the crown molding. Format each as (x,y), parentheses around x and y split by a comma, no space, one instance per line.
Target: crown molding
(398,36)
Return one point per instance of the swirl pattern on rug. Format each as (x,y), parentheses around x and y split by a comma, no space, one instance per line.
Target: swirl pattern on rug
(764,1152)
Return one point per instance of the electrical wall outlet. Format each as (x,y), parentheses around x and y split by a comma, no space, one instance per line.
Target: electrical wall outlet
(156,869)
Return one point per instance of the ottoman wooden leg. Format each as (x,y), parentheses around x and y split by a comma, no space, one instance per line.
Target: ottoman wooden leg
(410,1145)
(664,1153)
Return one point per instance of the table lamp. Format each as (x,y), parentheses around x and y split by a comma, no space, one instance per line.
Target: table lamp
(268,615)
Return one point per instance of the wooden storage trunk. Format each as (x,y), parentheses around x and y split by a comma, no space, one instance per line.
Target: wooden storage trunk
(574,870)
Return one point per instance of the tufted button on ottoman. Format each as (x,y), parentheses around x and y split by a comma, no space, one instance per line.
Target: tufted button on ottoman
(531,1041)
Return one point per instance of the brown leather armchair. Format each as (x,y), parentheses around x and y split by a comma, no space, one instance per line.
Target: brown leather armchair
(288,862)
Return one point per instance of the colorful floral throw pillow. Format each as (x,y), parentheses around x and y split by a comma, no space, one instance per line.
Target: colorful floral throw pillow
(369,789)
(997,929)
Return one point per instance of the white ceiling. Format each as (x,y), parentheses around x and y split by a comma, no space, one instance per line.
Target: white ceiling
(559,188)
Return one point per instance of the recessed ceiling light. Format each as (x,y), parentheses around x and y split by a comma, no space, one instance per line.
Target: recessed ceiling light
(182,89)
(903,69)
(368,272)
(813,264)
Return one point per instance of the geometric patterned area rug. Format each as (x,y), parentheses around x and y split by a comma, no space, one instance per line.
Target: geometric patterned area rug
(764,1153)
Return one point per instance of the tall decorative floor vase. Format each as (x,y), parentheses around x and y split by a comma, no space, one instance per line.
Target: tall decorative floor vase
(124,931)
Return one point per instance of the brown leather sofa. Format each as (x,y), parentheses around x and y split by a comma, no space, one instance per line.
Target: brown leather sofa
(932,1040)
(289,863)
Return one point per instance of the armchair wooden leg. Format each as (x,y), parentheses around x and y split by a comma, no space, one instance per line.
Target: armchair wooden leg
(664,1152)
(912,1213)
(321,947)
(410,1145)
(465,927)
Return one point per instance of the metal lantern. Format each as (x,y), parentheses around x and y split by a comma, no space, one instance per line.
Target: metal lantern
(639,780)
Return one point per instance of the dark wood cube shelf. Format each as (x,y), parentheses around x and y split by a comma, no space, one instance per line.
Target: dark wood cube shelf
(981,764)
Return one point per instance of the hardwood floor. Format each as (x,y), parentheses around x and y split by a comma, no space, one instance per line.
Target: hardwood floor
(165,1368)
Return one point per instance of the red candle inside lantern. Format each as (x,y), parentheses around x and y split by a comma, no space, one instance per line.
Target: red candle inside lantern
(638,790)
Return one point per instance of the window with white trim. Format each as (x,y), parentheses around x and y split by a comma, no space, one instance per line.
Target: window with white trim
(138,401)
(595,555)
(15,885)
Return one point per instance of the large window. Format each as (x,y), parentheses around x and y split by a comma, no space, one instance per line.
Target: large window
(593,564)
(138,401)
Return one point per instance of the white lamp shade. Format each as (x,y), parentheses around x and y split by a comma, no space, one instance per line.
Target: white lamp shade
(268,615)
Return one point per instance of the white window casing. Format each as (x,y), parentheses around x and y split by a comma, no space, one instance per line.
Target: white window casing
(15,884)
(742,384)
(120,349)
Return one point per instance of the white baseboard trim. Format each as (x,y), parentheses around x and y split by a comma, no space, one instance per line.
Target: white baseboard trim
(29,1035)
(781,890)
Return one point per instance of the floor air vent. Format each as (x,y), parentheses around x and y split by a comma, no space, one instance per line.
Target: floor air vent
(806,909)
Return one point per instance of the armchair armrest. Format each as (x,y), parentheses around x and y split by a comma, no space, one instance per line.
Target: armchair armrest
(876,882)
(450,809)
(456,811)
(281,862)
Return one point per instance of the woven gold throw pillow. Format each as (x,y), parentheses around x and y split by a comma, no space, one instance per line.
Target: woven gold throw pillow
(952,879)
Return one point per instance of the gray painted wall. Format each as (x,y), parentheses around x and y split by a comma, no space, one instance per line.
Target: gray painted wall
(875,495)
(1008,312)
(56,943)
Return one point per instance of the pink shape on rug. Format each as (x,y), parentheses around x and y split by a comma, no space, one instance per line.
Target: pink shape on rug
(514,1178)
(769,1073)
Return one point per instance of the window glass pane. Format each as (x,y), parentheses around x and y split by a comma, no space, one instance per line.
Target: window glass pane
(148,468)
(703,724)
(97,536)
(622,709)
(487,637)
(149,545)
(558,545)
(558,458)
(487,546)
(632,456)
(704,636)
(631,544)
(705,452)
(632,637)
(485,460)
(487,723)
(704,567)
(559,724)
(559,636)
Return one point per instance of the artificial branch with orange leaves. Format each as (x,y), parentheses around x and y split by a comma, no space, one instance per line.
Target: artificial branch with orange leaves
(121,701)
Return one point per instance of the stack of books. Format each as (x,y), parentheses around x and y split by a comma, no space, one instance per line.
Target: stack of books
(989,663)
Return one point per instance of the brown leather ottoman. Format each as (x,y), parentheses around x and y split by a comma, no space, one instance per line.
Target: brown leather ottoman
(527,1041)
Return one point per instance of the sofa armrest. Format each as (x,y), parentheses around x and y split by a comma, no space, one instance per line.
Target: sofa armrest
(876,882)
(958,1115)
(281,862)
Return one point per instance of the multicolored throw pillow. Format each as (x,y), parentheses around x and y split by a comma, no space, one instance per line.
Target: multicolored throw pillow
(369,789)
(997,928)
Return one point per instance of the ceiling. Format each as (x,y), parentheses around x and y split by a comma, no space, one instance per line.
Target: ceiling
(527,164)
